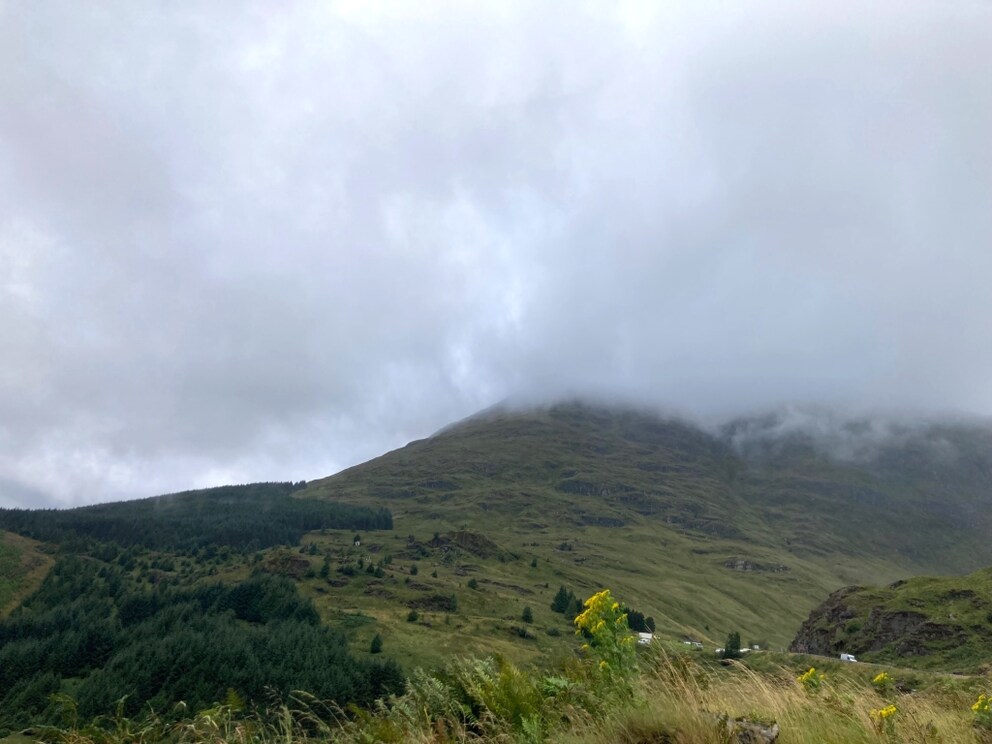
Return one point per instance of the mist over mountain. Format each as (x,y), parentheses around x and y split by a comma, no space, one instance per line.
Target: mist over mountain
(277,244)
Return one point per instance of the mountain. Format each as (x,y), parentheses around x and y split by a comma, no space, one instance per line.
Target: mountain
(459,544)
(743,527)
(927,622)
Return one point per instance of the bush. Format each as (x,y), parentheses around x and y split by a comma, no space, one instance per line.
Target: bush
(883,683)
(609,640)
(811,680)
(412,616)
(473,584)
(527,615)
(983,712)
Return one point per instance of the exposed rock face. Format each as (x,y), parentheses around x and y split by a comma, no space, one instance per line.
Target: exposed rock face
(744,564)
(744,731)
(818,634)
(471,542)
(836,626)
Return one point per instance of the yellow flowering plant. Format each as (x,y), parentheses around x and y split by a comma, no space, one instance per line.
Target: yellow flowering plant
(608,637)
(883,719)
(983,712)
(811,680)
(883,682)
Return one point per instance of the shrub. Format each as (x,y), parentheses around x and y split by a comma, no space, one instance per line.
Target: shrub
(883,682)
(883,720)
(527,615)
(412,616)
(609,640)
(473,584)
(811,680)
(983,712)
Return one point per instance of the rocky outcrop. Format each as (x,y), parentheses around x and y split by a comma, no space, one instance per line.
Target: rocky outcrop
(745,564)
(862,621)
(819,633)
(746,731)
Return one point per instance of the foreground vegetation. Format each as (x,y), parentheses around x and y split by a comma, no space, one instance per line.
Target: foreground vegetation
(94,632)
(605,693)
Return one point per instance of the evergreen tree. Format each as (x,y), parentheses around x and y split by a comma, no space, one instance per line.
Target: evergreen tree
(732,648)
(376,646)
(561,601)
(528,615)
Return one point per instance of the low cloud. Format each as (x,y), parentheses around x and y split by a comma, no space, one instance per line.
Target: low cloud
(273,244)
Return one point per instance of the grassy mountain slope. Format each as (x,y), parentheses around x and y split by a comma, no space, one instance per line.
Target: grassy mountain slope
(744,529)
(706,532)
(928,622)
(23,566)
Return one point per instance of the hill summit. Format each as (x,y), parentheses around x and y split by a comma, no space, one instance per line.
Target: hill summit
(746,525)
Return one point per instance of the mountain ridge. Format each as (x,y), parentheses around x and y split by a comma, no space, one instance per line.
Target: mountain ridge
(666,492)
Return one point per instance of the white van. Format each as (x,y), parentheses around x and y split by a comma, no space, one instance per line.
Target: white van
(847,657)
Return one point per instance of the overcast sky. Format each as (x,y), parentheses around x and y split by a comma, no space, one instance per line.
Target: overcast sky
(244,241)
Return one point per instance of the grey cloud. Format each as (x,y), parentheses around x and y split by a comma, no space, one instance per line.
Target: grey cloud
(269,244)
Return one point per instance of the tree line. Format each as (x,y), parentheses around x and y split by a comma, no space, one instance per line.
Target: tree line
(248,517)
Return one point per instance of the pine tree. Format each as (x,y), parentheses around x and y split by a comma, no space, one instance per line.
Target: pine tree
(376,646)
(561,601)
(528,615)
(732,648)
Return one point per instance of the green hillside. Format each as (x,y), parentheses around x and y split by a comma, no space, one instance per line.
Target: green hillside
(173,599)
(926,622)
(457,545)
(702,532)
(23,566)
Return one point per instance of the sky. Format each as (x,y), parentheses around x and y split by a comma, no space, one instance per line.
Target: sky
(269,240)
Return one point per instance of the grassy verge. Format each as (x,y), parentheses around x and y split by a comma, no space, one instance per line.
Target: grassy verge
(606,693)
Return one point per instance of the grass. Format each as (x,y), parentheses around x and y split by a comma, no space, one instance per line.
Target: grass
(661,512)
(680,700)
(23,566)
(674,698)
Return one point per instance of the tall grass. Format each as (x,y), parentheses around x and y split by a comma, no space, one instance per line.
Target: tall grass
(676,699)
(682,699)
(606,694)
